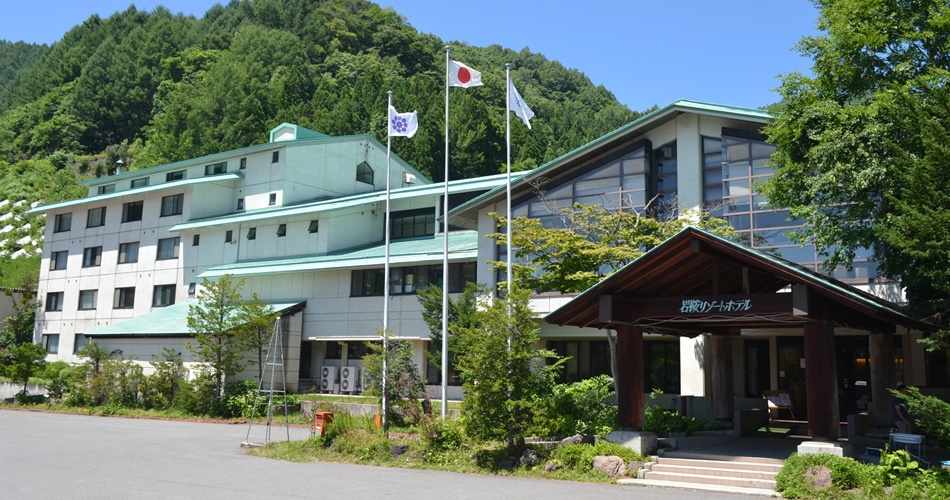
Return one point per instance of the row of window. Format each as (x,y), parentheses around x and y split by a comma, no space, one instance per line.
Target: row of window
(213,169)
(123,298)
(407,280)
(128,253)
(131,212)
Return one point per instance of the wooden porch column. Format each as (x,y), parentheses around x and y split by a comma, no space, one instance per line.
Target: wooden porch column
(883,377)
(821,381)
(723,400)
(630,384)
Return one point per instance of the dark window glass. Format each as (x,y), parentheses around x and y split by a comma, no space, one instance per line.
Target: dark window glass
(128,252)
(137,183)
(54,301)
(252,233)
(195,240)
(124,298)
(168,248)
(314,226)
(216,168)
(282,230)
(272,199)
(413,223)
(87,299)
(51,343)
(63,222)
(172,205)
(108,188)
(91,256)
(81,341)
(175,176)
(96,217)
(164,295)
(228,236)
(132,211)
(243,163)
(240,204)
(275,157)
(364,173)
(57,260)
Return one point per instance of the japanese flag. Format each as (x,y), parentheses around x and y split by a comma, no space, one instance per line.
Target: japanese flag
(461,75)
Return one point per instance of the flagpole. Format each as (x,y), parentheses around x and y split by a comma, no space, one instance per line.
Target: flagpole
(445,253)
(389,140)
(508,183)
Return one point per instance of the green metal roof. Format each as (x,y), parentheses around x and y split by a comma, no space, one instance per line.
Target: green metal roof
(230,176)
(345,202)
(202,160)
(170,321)
(644,121)
(463,246)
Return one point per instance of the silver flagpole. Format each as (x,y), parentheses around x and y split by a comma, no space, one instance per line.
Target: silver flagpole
(389,141)
(445,254)
(508,140)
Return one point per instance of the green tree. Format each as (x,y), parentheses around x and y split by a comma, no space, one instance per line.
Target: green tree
(24,361)
(403,381)
(218,327)
(861,146)
(258,318)
(506,377)
(18,327)
(461,315)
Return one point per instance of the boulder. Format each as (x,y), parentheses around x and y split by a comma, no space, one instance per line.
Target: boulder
(551,466)
(633,467)
(611,465)
(818,476)
(578,439)
(397,450)
(530,458)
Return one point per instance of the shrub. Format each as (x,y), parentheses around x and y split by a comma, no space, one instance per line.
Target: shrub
(846,474)
(440,435)
(663,421)
(580,407)
(930,415)
(580,457)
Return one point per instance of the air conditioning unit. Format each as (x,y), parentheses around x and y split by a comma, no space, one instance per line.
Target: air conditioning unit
(349,376)
(327,378)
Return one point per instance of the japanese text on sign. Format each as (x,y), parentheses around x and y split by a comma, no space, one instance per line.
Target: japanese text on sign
(696,306)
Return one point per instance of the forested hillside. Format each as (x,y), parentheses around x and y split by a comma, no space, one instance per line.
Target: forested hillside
(154,87)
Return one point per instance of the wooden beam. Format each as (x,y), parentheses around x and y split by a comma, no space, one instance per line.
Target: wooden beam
(821,381)
(630,383)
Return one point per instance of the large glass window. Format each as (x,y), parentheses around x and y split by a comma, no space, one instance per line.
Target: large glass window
(124,298)
(164,295)
(216,168)
(108,188)
(712,176)
(168,248)
(96,217)
(137,183)
(662,366)
(87,299)
(63,222)
(364,173)
(91,256)
(54,301)
(132,211)
(407,280)
(413,223)
(51,343)
(128,252)
(172,205)
(664,163)
(175,176)
(57,260)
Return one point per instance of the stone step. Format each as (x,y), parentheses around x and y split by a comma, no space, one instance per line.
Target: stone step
(687,480)
(693,455)
(730,465)
(709,470)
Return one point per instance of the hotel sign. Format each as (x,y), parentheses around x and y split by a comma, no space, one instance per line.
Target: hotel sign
(703,306)
(615,309)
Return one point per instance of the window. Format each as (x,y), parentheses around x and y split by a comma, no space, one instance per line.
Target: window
(195,240)
(171,205)
(132,211)
(243,163)
(81,341)
(275,157)
(57,260)
(51,343)
(168,248)
(314,226)
(138,183)
(228,236)
(191,289)
(54,301)
(124,298)
(91,256)
(175,176)
(364,173)
(63,222)
(128,252)
(407,280)
(272,199)
(240,204)
(252,233)
(282,230)
(164,295)
(412,223)
(87,299)
(96,217)
(216,168)
(108,188)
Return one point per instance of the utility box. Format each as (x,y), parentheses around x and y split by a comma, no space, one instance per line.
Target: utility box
(321,419)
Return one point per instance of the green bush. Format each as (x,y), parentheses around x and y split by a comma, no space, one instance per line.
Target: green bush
(663,421)
(846,474)
(440,435)
(931,416)
(580,407)
(580,457)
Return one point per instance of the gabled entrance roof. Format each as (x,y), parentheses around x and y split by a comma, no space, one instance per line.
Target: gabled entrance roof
(698,282)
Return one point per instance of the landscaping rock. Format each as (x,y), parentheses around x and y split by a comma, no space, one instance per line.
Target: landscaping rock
(396,450)
(818,476)
(530,458)
(633,467)
(578,439)
(551,466)
(610,465)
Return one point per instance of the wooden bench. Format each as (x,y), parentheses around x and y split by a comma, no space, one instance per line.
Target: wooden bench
(779,400)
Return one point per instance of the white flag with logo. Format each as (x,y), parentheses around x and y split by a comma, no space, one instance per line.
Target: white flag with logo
(402,124)
(461,75)
(517,104)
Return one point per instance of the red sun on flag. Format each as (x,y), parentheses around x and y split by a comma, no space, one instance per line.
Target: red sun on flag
(460,75)
(463,75)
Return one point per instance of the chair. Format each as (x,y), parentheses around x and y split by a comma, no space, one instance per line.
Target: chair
(779,400)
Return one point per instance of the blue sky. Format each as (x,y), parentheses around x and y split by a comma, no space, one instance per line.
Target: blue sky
(645,52)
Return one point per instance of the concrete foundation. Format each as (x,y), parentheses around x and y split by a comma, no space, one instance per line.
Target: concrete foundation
(641,442)
(830,447)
